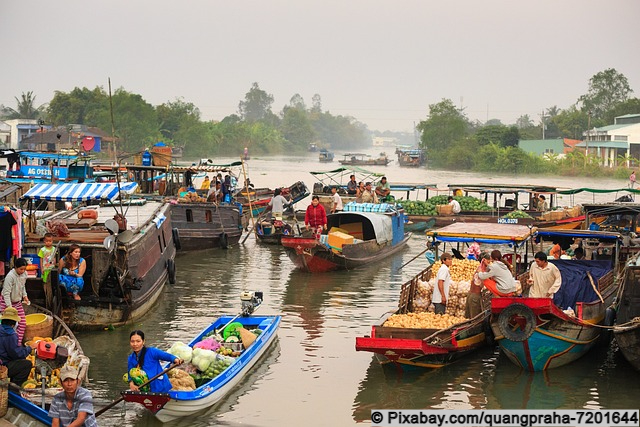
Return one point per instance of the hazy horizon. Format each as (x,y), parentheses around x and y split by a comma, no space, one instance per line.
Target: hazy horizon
(381,62)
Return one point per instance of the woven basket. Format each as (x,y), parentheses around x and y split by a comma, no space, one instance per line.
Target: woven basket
(42,329)
(4,391)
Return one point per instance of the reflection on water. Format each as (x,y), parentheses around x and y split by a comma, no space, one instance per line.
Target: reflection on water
(313,376)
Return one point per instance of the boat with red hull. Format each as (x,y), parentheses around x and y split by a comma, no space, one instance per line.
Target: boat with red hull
(423,348)
(376,235)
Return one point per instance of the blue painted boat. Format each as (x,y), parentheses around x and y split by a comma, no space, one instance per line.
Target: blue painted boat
(541,333)
(38,167)
(177,404)
(23,412)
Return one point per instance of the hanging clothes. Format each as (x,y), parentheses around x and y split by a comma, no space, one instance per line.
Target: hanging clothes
(17,231)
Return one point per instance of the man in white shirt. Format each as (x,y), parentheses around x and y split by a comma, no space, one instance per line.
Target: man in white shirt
(456,206)
(336,200)
(443,281)
(277,203)
(544,277)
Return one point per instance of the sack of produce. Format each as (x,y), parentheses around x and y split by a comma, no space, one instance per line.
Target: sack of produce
(181,380)
(203,358)
(182,351)
(422,298)
(423,321)
(208,344)
(457,300)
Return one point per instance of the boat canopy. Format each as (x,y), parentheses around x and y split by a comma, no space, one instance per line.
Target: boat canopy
(599,190)
(374,225)
(340,176)
(79,192)
(505,234)
(583,234)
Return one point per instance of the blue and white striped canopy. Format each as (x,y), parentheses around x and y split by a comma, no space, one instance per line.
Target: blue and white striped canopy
(79,192)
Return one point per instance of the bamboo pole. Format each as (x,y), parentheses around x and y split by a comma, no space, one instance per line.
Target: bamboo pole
(246,186)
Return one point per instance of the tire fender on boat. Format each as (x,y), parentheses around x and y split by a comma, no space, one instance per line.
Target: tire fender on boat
(171,271)
(609,316)
(176,238)
(517,322)
(224,240)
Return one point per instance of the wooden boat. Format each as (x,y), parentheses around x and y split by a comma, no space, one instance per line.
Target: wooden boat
(40,167)
(379,234)
(27,403)
(271,233)
(423,348)
(627,326)
(359,159)
(325,156)
(205,225)
(339,178)
(177,404)
(413,157)
(258,200)
(126,268)
(542,333)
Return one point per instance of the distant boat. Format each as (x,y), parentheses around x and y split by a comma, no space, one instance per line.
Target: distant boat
(313,148)
(325,156)
(414,157)
(358,159)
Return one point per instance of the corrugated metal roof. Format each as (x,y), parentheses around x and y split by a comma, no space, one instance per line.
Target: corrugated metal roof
(604,144)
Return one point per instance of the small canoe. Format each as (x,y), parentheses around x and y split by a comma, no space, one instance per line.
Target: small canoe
(178,404)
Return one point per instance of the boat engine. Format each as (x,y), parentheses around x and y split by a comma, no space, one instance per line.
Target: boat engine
(49,356)
(250,301)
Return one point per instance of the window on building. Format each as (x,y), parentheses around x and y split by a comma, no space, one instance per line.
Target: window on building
(548,151)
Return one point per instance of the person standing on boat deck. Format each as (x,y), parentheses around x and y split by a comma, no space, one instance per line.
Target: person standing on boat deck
(456,206)
(497,276)
(206,184)
(352,186)
(148,360)
(14,293)
(544,277)
(12,354)
(315,216)
(443,281)
(74,405)
(368,195)
(336,200)
(277,204)
(543,206)
(473,306)
(72,267)
(383,189)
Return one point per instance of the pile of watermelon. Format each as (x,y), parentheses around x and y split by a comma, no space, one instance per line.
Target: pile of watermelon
(427,208)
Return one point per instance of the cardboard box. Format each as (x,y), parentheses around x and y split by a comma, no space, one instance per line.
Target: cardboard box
(337,239)
(353,229)
(444,209)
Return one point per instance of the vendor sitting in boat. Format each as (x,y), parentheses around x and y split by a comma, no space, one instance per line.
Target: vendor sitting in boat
(497,277)
(383,189)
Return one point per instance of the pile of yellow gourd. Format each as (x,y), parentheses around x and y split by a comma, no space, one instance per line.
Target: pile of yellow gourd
(426,320)
(460,270)
(35,379)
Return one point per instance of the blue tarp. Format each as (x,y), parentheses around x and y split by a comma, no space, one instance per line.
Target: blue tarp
(576,286)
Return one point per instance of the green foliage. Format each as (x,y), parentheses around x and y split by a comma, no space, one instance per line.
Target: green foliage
(607,89)
(25,108)
(256,104)
(444,126)
(499,134)
(80,106)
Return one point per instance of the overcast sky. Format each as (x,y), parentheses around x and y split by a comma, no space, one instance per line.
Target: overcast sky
(382,62)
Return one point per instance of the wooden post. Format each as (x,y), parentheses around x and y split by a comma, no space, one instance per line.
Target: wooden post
(246,186)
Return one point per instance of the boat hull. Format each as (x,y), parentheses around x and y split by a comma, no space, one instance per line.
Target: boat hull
(310,255)
(536,335)
(627,328)
(201,225)
(175,404)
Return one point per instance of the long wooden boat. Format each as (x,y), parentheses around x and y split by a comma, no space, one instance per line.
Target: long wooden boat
(325,156)
(27,403)
(538,334)
(125,273)
(627,327)
(40,167)
(271,233)
(358,159)
(204,225)
(413,157)
(177,404)
(379,234)
(423,348)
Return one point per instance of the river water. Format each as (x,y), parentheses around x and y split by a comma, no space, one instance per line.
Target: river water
(312,375)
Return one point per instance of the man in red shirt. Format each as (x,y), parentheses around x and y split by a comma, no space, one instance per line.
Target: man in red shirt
(315,216)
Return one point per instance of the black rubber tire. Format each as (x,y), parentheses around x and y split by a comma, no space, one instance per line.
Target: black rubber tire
(224,240)
(176,238)
(171,271)
(505,322)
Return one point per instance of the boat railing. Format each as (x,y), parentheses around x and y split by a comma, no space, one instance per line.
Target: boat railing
(408,290)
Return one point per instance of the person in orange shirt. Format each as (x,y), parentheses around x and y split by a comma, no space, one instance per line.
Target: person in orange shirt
(556,250)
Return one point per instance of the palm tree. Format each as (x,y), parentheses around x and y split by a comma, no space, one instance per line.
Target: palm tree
(25,108)
(627,159)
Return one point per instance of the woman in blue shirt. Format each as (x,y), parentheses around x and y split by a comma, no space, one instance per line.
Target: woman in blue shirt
(148,359)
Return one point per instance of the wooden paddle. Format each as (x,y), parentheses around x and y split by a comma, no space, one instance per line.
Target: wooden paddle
(120,399)
(414,258)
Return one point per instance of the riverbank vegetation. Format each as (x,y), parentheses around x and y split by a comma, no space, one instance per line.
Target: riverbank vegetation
(454,142)
(138,124)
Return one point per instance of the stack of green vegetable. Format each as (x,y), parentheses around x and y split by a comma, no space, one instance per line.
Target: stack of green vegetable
(517,214)
(467,203)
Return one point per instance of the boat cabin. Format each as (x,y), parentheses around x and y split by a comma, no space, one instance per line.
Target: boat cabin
(27,166)
(508,197)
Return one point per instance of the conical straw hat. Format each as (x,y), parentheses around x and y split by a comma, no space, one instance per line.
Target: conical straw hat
(247,337)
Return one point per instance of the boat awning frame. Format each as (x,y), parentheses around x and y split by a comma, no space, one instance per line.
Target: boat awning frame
(504,234)
(79,192)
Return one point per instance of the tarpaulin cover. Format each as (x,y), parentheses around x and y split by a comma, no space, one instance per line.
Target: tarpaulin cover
(576,286)
(380,225)
(79,192)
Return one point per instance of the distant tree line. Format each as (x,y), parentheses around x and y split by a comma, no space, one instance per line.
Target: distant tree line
(453,141)
(138,124)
